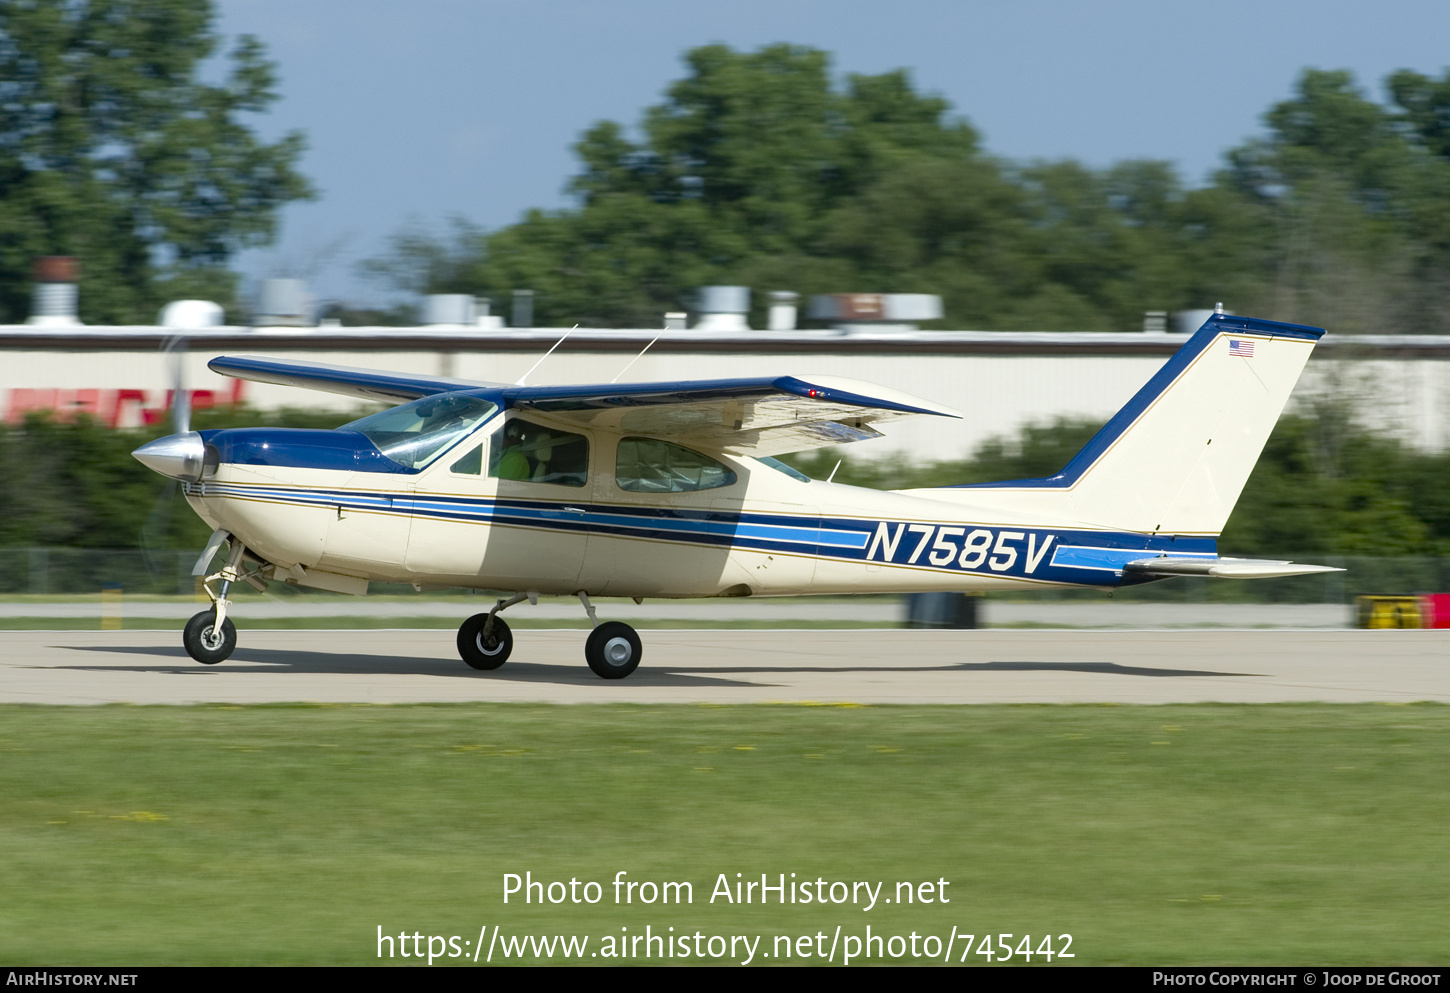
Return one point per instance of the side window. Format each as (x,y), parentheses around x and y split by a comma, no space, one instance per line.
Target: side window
(471,464)
(647,465)
(532,453)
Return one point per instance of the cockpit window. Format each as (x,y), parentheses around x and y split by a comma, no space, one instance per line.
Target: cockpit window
(648,465)
(532,453)
(416,433)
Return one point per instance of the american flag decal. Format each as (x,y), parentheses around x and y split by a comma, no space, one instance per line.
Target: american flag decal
(1241,347)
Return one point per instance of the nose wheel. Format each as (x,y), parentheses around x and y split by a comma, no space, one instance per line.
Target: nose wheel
(207,642)
(613,650)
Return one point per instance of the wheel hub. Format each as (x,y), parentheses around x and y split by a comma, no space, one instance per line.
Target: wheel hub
(617,651)
(211,639)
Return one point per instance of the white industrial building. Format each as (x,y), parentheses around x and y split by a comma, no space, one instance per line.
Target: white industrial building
(999,381)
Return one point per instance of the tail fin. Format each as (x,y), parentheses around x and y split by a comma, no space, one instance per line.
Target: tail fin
(1175,459)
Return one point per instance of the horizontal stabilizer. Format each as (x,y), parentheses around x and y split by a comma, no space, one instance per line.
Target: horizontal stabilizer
(1222,568)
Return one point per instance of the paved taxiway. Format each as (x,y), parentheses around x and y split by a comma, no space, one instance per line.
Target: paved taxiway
(741,666)
(886,612)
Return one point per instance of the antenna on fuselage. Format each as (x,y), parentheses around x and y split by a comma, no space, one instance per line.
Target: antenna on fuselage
(544,356)
(635,359)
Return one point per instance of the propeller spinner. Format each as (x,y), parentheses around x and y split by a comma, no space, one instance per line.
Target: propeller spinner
(179,455)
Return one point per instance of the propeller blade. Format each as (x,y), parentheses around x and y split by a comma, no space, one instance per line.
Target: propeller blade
(175,347)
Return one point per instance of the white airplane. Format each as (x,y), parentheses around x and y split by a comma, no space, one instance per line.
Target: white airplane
(671,490)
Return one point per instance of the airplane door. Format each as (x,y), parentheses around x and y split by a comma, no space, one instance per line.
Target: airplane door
(669,521)
(505,510)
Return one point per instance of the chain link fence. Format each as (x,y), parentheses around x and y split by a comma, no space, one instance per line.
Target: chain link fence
(59,571)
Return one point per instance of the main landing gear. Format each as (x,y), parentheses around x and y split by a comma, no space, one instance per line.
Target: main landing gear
(613,650)
(484,640)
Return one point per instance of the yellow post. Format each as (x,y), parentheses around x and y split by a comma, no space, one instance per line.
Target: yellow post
(111,607)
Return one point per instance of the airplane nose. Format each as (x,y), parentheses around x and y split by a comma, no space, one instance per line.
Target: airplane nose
(179,456)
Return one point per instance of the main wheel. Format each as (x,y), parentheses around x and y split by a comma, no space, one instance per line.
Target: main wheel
(481,652)
(204,643)
(613,650)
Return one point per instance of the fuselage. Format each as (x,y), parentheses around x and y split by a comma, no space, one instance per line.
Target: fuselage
(613,514)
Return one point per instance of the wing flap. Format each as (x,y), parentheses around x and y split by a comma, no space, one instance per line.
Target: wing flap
(738,417)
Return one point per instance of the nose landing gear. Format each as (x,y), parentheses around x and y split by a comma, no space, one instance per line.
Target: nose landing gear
(210,637)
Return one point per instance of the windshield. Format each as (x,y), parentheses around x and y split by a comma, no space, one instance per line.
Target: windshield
(418,432)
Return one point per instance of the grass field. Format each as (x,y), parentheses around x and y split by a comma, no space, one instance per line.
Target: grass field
(1152,835)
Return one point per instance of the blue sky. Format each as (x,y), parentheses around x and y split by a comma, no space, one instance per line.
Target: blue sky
(419,111)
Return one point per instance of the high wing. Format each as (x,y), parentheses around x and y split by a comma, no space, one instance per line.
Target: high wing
(757,416)
(736,416)
(365,384)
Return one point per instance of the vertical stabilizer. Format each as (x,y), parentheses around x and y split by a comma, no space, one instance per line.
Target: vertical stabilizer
(1175,459)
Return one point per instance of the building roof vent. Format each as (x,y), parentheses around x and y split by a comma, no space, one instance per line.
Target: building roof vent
(53,303)
(451,310)
(723,308)
(283,303)
(783,305)
(876,311)
(1189,321)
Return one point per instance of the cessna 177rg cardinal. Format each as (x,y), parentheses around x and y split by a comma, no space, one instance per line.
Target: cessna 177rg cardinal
(671,490)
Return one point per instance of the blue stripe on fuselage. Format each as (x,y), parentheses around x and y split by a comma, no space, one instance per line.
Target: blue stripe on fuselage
(1093,558)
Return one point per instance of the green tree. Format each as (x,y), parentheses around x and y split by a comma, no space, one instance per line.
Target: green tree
(757,170)
(1339,491)
(1356,193)
(736,179)
(113,151)
(1425,107)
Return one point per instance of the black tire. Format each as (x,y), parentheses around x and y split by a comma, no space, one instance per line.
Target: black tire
(613,650)
(201,641)
(481,654)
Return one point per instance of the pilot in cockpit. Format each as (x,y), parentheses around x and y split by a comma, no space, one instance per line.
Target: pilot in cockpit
(513,463)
